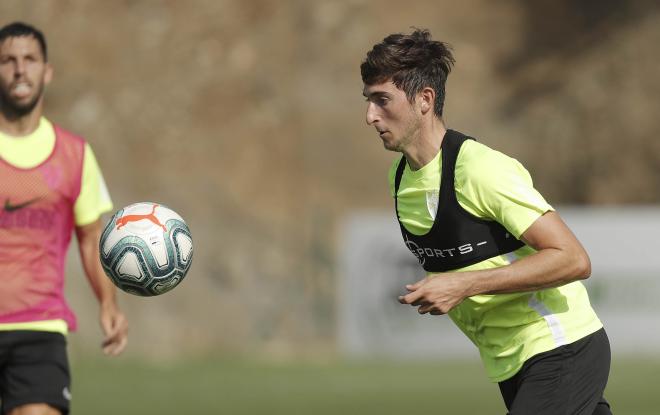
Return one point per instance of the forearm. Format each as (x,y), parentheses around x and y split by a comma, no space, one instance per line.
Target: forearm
(544,269)
(113,322)
(558,260)
(88,237)
(103,288)
(548,267)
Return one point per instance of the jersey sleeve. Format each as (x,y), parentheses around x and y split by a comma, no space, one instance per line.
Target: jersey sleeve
(497,187)
(94,198)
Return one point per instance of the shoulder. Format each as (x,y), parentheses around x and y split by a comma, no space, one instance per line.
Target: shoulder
(74,142)
(480,156)
(481,165)
(494,186)
(65,134)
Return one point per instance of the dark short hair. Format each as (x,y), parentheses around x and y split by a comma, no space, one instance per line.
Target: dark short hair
(18,29)
(412,62)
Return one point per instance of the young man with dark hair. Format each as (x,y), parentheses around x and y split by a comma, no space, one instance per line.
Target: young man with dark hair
(50,185)
(500,261)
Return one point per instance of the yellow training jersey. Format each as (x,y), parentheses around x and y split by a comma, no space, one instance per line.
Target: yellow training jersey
(508,329)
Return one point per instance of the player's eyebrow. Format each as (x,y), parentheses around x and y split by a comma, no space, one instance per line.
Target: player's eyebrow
(375,94)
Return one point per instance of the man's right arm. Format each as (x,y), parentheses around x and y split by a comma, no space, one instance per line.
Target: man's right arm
(559,260)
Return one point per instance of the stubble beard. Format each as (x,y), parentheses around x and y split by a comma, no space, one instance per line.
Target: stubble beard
(410,136)
(13,109)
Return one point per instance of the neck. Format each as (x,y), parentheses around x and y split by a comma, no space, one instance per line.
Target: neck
(421,151)
(19,125)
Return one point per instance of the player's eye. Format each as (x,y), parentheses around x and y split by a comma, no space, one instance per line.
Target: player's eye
(379,100)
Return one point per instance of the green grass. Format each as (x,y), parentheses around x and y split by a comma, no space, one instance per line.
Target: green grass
(345,388)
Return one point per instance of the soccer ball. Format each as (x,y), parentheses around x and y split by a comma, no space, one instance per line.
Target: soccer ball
(146,249)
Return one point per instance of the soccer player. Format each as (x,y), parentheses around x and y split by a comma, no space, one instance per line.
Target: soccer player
(50,185)
(499,260)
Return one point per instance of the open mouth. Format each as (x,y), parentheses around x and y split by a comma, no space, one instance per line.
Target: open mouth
(21,90)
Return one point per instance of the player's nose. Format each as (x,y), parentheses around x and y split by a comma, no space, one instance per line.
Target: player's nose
(19,68)
(372,114)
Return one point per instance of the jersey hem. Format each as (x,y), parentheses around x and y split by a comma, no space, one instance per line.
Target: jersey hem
(512,373)
(54,326)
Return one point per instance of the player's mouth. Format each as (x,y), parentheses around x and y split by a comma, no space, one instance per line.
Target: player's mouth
(382,133)
(21,90)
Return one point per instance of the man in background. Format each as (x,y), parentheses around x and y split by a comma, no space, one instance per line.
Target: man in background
(500,261)
(50,185)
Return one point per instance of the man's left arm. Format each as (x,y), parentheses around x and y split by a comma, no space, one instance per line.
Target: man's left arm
(113,322)
(560,259)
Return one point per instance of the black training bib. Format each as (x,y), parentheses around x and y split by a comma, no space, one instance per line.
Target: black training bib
(457,238)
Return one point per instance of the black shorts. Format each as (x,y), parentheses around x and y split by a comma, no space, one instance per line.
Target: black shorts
(34,369)
(568,380)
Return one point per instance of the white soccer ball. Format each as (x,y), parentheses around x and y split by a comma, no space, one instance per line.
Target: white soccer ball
(146,249)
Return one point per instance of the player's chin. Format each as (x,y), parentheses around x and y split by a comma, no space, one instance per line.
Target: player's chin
(390,146)
(23,105)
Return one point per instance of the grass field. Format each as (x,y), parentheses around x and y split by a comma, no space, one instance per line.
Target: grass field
(345,388)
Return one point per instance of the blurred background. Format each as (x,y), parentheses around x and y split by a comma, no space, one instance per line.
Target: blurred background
(247,118)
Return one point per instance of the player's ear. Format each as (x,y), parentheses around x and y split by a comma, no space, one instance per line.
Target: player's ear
(48,74)
(427,99)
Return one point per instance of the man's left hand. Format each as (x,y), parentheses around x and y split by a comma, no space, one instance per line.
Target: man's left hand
(115,329)
(436,294)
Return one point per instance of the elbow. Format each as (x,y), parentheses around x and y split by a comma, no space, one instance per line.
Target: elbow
(582,266)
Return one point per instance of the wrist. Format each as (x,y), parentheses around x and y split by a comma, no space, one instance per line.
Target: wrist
(474,283)
(109,302)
